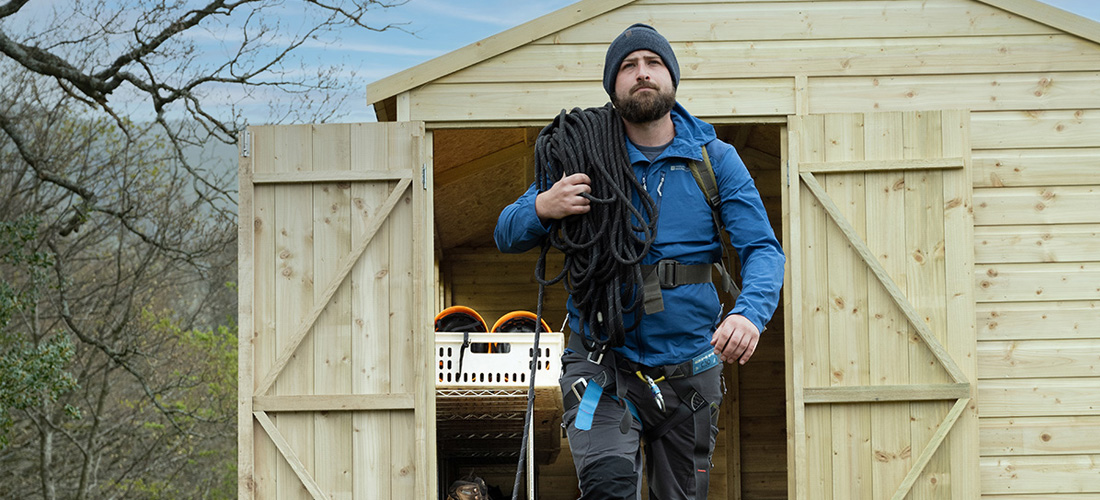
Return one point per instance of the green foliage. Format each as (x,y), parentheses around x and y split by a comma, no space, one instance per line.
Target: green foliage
(32,370)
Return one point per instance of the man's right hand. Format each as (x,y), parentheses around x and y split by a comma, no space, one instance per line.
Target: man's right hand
(564,198)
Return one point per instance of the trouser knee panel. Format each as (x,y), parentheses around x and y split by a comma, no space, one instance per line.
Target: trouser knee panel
(609,478)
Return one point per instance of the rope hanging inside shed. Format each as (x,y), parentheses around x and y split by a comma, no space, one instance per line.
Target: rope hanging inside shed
(603,248)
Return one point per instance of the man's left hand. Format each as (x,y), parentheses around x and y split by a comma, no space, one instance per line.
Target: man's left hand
(735,339)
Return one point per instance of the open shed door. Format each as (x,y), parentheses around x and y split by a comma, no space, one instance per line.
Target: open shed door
(881,336)
(336,385)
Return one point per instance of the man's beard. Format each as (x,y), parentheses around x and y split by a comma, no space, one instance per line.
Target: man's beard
(645,107)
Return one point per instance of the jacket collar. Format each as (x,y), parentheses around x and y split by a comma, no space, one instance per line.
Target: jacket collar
(691,135)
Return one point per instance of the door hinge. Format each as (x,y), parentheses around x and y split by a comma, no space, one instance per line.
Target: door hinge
(246,143)
(424,176)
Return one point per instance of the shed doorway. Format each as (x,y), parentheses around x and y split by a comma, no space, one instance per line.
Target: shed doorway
(478,171)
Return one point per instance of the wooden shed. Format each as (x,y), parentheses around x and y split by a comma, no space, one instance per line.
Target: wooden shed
(933,167)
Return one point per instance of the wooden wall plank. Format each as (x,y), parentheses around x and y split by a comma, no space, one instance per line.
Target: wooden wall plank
(332,330)
(810,20)
(1047,281)
(1042,496)
(1038,320)
(815,317)
(1039,358)
(1040,435)
(266,457)
(885,57)
(1042,474)
(1037,243)
(891,442)
(1036,167)
(1037,205)
(962,445)
(792,307)
(406,325)
(247,231)
(849,352)
(371,362)
(926,276)
(509,101)
(1036,129)
(294,297)
(978,92)
(495,284)
(1038,397)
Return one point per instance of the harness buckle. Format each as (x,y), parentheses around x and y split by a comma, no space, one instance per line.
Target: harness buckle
(666,273)
(573,387)
(599,357)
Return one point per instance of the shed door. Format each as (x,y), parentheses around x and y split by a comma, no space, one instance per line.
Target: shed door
(881,338)
(336,400)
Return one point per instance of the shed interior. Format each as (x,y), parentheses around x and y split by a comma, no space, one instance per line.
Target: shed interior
(477,172)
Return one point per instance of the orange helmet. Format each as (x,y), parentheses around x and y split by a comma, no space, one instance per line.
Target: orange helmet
(518,321)
(459,319)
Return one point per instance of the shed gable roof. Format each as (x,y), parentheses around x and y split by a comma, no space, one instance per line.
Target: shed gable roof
(585,10)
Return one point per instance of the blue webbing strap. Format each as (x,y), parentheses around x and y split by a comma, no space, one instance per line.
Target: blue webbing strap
(587,408)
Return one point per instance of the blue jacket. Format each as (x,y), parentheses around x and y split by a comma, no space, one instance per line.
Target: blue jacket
(685,233)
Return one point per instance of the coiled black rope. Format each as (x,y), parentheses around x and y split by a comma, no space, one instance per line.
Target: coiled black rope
(603,248)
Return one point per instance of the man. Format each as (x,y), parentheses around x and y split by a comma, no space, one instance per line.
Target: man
(667,370)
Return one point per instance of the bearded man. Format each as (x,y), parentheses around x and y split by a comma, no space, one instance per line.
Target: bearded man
(670,361)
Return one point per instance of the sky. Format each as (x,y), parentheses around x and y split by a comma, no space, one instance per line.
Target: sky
(440,26)
(426,29)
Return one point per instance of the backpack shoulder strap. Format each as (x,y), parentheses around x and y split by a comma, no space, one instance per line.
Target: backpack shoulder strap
(708,183)
(706,180)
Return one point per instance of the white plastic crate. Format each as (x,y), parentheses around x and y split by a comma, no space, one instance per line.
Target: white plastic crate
(508,365)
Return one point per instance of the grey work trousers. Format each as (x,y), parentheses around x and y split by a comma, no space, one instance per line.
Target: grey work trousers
(609,462)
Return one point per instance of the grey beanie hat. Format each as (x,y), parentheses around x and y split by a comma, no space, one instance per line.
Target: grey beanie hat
(637,37)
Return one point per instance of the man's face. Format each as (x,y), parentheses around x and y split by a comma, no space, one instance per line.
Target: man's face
(643,88)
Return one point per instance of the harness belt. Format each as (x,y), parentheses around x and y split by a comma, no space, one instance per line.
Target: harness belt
(670,274)
(586,393)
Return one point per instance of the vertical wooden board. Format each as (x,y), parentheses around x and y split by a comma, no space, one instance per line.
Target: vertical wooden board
(849,352)
(891,443)
(332,331)
(423,227)
(794,378)
(266,457)
(246,279)
(961,445)
(294,297)
(371,358)
(404,334)
(814,330)
(926,282)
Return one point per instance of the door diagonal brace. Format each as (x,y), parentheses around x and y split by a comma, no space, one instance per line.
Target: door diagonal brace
(883,277)
(346,264)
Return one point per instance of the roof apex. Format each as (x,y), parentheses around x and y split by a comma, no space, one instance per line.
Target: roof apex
(587,9)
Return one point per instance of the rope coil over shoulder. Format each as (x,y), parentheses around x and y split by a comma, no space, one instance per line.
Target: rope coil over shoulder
(603,248)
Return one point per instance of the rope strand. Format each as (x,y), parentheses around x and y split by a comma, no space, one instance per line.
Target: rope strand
(603,248)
